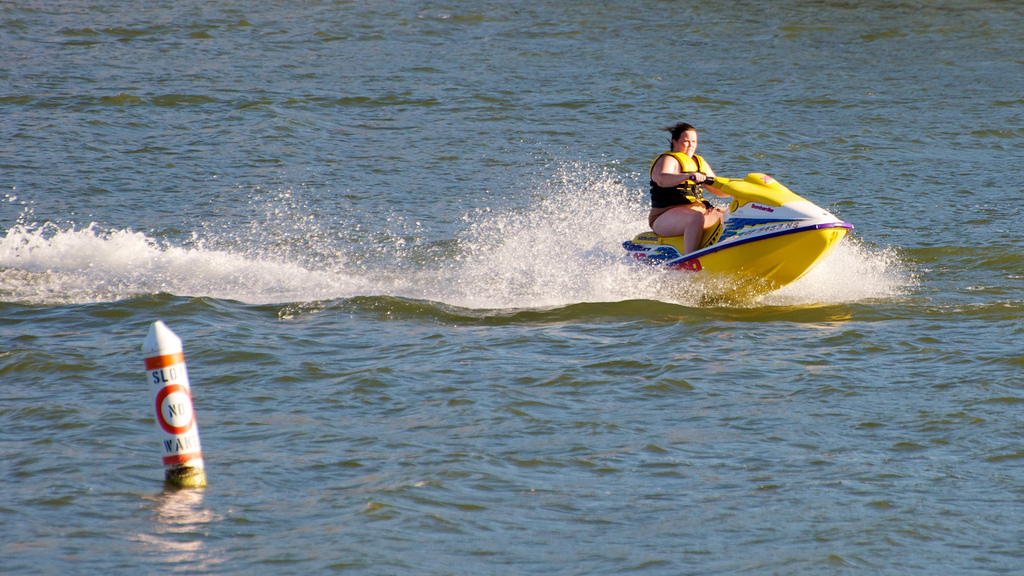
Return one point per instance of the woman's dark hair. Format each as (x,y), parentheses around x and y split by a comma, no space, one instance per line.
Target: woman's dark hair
(678,129)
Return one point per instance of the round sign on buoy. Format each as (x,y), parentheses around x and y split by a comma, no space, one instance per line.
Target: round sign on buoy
(174,409)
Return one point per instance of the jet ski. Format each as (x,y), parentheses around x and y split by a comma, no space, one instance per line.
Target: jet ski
(769,236)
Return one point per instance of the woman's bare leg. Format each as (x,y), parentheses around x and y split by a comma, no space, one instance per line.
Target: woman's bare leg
(684,221)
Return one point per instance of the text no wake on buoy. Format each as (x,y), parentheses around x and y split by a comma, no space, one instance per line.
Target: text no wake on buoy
(178,431)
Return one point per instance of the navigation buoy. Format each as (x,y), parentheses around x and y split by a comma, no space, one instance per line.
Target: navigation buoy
(175,419)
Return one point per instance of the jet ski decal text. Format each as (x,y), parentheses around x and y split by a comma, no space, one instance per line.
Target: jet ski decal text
(744,226)
(777,227)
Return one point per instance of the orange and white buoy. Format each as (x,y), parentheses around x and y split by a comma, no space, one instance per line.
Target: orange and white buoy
(176,422)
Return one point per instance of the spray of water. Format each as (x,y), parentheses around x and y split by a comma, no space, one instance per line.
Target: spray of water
(561,249)
(854,272)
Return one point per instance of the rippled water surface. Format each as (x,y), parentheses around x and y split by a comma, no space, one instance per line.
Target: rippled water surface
(389,236)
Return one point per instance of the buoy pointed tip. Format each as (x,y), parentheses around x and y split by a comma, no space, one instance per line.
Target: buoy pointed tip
(160,340)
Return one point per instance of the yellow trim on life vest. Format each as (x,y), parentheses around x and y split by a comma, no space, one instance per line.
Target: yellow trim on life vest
(687,163)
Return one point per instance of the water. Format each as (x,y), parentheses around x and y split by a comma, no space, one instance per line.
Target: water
(389,236)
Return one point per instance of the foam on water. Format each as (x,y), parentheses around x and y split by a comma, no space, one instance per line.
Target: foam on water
(562,248)
(45,265)
(852,272)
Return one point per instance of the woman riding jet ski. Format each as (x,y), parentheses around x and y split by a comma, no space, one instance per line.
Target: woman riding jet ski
(768,233)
